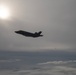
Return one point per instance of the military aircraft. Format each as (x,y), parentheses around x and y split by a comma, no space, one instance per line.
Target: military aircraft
(29,34)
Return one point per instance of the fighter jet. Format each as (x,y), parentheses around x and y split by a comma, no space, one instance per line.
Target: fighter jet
(29,34)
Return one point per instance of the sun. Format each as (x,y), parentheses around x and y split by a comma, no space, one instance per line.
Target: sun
(4,12)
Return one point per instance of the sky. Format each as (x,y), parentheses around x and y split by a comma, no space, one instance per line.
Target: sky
(55,18)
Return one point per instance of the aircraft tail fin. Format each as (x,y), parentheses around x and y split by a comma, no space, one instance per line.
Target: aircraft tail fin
(39,32)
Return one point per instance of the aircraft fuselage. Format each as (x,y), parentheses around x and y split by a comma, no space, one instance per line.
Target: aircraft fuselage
(28,34)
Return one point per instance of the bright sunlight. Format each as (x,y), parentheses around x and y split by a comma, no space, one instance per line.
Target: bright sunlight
(4,12)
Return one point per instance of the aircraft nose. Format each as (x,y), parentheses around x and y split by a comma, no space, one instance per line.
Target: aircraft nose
(16,31)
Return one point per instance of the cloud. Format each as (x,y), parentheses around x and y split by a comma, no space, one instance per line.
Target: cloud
(58,62)
(9,60)
(53,68)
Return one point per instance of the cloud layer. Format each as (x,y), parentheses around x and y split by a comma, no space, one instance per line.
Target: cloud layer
(49,68)
(37,63)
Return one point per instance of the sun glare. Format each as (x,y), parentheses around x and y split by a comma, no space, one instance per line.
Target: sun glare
(4,12)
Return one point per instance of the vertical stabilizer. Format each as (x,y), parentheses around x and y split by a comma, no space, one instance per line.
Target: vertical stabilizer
(39,32)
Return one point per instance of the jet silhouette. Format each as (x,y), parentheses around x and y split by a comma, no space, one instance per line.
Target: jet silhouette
(29,34)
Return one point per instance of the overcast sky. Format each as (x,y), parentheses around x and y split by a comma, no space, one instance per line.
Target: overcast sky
(55,18)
